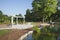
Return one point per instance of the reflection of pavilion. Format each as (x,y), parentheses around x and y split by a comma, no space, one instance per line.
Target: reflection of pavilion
(20,26)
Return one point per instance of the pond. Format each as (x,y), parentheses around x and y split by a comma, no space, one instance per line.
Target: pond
(46,33)
(30,37)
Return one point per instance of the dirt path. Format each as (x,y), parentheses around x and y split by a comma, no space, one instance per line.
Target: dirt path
(4,25)
(14,34)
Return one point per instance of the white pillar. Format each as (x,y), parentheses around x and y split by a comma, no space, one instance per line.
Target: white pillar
(17,20)
(23,20)
(12,20)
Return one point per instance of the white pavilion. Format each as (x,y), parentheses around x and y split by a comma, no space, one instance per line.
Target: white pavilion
(20,26)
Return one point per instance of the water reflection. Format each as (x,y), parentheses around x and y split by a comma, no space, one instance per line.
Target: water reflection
(46,33)
(29,37)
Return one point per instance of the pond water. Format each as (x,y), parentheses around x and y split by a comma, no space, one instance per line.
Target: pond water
(47,33)
(30,37)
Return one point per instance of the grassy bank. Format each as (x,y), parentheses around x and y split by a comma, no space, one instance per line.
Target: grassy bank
(4,32)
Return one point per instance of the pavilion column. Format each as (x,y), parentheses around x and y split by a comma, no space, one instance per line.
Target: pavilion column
(12,20)
(17,20)
(23,20)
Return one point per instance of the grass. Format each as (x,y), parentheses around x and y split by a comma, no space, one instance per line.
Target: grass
(36,23)
(4,32)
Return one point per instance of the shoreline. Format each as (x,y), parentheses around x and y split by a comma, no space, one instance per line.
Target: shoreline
(15,34)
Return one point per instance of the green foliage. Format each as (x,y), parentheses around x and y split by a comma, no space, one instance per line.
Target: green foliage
(44,7)
(31,16)
(19,15)
(56,17)
(36,29)
(36,33)
(50,7)
(46,33)
(28,15)
(4,18)
(50,30)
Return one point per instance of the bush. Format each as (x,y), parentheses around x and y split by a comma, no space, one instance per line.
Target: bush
(36,29)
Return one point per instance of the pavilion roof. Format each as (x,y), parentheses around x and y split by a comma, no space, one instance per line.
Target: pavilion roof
(19,16)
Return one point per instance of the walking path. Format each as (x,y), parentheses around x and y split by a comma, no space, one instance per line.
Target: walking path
(18,27)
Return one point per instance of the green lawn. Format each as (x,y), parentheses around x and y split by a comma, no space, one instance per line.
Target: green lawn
(4,32)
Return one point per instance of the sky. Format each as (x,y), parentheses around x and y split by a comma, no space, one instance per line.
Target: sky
(13,7)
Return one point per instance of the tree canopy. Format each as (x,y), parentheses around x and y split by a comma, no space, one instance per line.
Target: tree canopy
(42,9)
(4,18)
(45,7)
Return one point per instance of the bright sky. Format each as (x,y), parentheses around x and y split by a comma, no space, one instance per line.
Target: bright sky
(13,7)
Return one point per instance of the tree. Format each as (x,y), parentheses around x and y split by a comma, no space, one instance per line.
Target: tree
(28,15)
(44,7)
(19,15)
(1,16)
(32,16)
(4,18)
(56,16)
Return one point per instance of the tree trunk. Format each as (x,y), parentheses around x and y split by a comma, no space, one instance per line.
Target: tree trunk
(50,20)
(43,19)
